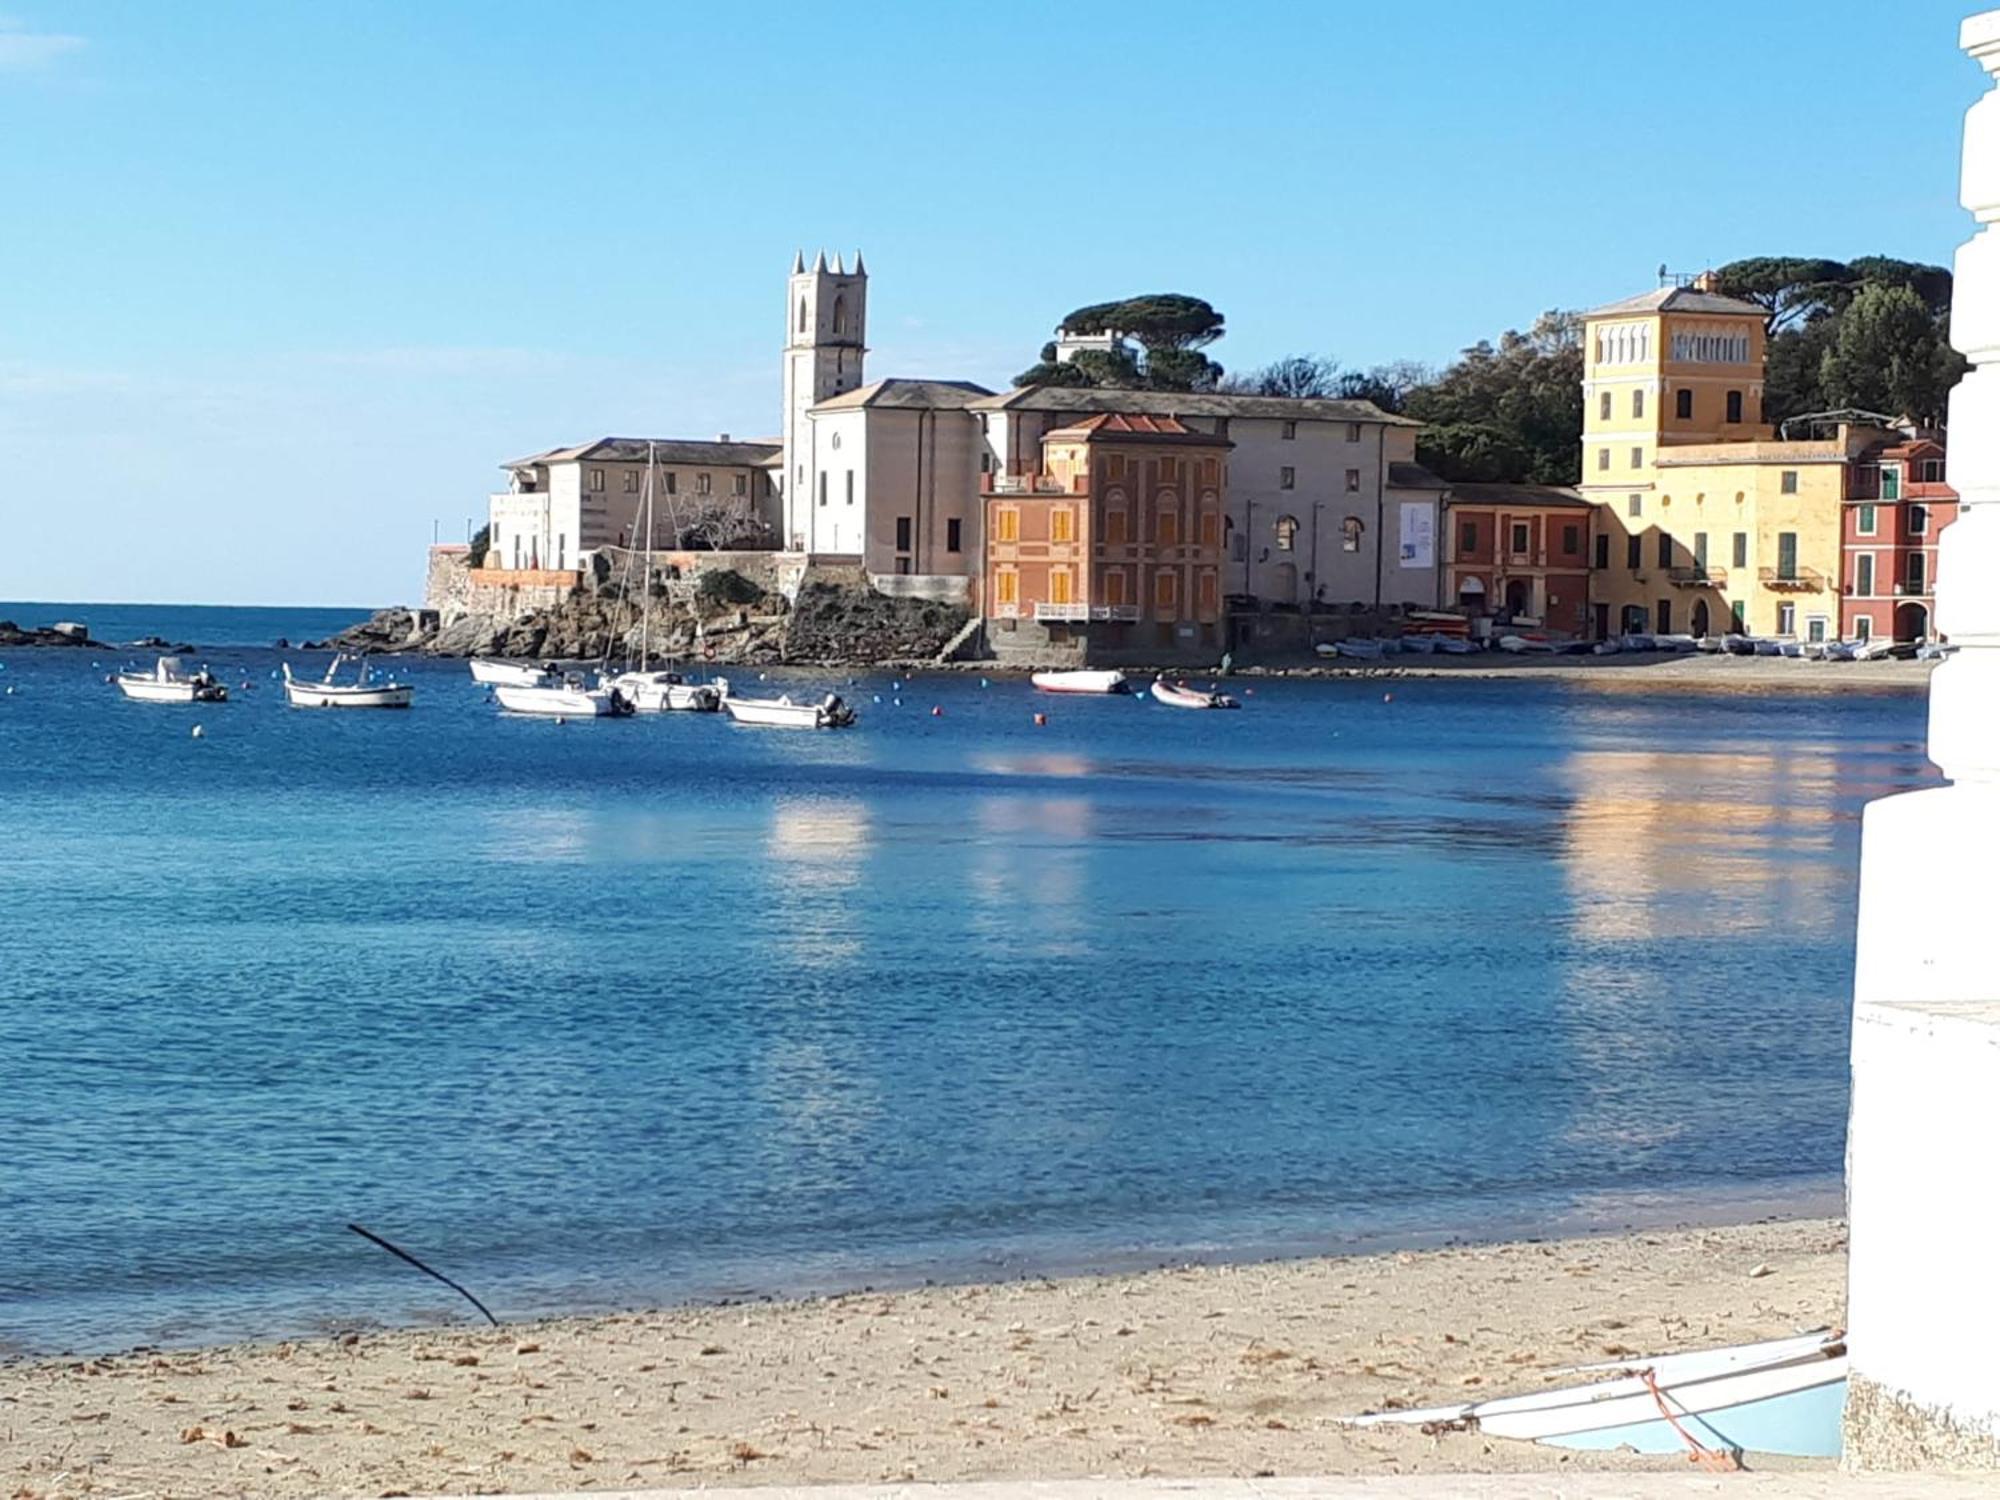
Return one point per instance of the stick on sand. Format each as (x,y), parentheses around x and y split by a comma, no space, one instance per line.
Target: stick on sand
(405,1255)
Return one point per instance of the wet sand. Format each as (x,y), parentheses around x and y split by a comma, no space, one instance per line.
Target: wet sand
(1199,1371)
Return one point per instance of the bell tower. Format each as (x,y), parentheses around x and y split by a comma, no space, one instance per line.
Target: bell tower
(826,323)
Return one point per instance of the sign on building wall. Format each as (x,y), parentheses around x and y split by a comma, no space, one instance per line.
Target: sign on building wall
(1419,535)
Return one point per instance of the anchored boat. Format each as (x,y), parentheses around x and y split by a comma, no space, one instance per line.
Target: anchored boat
(830,712)
(665,692)
(493,673)
(1779,1396)
(1182,696)
(167,683)
(570,698)
(1081,682)
(363,692)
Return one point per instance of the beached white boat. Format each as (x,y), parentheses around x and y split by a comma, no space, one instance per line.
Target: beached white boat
(1182,696)
(510,673)
(167,683)
(1358,649)
(1457,645)
(664,692)
(363,692)
(1081,682)
(783,712)
(571,698)
(1527,645)
(1779,1396)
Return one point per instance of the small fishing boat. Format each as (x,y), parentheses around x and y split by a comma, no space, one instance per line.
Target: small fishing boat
(570,698)
(1357,649)
(830,712)
(1182,696)
(1081,682)
(167,683)
(1527,645)
(1456,645)
(363,692)
(493,673)
(664,692)
(1778,1396)
(1420,645)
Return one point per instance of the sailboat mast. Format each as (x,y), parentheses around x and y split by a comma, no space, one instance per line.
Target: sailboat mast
(646,572)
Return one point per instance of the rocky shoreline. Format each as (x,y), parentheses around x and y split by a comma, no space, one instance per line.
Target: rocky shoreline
(47,635)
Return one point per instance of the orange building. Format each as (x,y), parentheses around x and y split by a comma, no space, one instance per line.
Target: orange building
(1519,554)
(1114,549)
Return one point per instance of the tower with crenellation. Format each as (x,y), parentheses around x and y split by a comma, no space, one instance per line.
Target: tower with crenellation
(826,324)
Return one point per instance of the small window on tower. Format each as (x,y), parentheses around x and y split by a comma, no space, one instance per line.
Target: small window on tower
(1684,406)
(1604,406)
(1638,403)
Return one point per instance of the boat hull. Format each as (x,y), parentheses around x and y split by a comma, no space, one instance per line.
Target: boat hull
(146,690)
(1080,682)
(320,695)
(561,702)
(1180,697)
(664,692)
(509,674)
(779,713)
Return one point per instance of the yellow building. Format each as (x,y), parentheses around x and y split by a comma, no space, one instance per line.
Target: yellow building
(1674,368)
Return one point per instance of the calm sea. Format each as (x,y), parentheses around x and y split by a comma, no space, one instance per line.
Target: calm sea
(608,1013)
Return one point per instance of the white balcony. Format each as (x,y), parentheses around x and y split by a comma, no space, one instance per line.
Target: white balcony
(1085,613)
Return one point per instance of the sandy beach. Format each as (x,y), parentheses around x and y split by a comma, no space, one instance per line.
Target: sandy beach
(1197,1371)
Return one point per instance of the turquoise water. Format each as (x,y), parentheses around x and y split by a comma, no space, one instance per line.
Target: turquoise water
(608,1013)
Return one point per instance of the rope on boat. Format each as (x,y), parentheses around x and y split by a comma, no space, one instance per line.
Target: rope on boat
(1717,1460)
(400,1254)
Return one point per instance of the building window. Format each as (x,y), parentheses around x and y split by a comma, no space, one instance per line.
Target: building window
(1892,482)
(597,479)
(1007,587)
(1788,555)
(1603,558)
(1572,540)
(1287,529)
(1166,590)
(1354,432)
(631,481)
(1864,520)
(1289,431)
(822,487)
(850,488)
(1788,617)
(1287,478)
(739,484)
(1350,534)
(1920,519)
(1632,554)
(1666,550)
(1663,617)
(1170,470)
(1736,616)
(670,481)
(834,442)
(1914,573)
(1638,458)
(1734,408)
(1518,537)
(1816,628)
(1603,458)
(1211,471)
(1468,538)
(1169,528)
(902,533)
(1633,505)
(1739,550)
(1684,406)
(1353,481)
(1864,628)
(1701,550)
(1864,574)
(1638,403)
(1008,524)
(1933,471)
(1062,524)
(1604,407)
(1788,481)
(704,483)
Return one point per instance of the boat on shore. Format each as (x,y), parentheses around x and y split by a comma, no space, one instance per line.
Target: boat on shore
(363,692)
(167,683)
(571,698)
(1080,682)
(664,692)
(1180,695)
(782,712)
(1777,1396)
(492,673)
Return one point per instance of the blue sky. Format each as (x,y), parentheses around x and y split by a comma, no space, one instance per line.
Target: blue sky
(281,284)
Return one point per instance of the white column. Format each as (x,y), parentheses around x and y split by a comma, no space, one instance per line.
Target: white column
(1924,1129)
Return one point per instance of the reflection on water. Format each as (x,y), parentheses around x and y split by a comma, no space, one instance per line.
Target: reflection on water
(817,848)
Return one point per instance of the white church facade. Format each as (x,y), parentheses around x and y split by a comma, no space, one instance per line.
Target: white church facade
(1324,505)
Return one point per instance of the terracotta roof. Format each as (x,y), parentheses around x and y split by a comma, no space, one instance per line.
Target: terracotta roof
(1414,477)
(1187,404)
(1679,299)
(1118,426)
(1517,494)
(619,450)
(908,395)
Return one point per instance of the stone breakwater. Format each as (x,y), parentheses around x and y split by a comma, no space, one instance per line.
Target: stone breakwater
(47,635)
(833,617)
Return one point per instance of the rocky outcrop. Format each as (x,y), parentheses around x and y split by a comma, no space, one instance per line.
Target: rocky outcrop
(720,615)
(47,635)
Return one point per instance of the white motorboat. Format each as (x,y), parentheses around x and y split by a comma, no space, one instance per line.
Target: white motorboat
(783,712)
(363,692)
(491,673)
(167,683)
(1529,645)
(1182,696)
(1778,1396)
(571,698)
(664,692)
(1081,682)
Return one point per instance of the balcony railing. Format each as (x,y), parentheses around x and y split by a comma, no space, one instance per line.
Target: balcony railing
(1031,484)
(1791,581)
(1084,613)
(1908,588)
(1697,578)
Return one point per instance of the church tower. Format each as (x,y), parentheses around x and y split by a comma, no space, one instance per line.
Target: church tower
(826,322)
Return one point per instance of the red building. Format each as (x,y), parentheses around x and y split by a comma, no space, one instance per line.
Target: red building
(1519,554)
(1897,503)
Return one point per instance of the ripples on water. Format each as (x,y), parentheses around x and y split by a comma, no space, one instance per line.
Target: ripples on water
(615,1012)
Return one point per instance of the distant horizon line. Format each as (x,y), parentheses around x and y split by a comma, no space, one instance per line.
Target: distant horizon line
(168,604)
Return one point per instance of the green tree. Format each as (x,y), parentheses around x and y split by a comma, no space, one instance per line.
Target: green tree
(1158,336)
(1511,411)
(1889,354)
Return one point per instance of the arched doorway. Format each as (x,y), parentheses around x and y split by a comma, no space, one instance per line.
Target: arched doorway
(1518,597)
(1912,622)
(1700,622)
